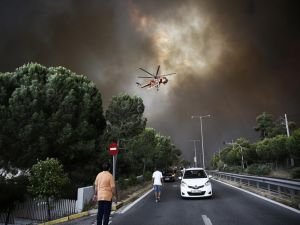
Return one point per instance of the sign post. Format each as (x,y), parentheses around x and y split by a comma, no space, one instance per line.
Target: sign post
(113,150)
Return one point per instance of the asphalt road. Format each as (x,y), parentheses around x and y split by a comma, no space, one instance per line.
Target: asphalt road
(228,206)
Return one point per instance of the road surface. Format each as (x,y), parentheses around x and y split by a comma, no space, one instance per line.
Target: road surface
(228,206)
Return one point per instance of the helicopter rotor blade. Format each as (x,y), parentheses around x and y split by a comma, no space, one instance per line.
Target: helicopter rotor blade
(157,70)
(147,72)
(145,77)
(168,74)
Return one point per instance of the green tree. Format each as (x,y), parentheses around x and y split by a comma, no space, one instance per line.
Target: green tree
(141,151)
(166,155)
(279,127)
(50,112)
(273,149)
(125,117)
(246,150)
(268,127)
(264,124)
(233,157)
(279,149)
(224,154)
(214,161)
(47,180)
(264,151)
(251,154)
(293,144)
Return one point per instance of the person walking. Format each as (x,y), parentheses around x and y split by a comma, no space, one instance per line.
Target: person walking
(157,183)
(105,189)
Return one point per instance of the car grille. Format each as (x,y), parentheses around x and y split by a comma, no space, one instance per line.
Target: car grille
(196,194)
(196,187)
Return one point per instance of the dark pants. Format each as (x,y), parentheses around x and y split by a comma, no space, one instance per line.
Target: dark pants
(104,208)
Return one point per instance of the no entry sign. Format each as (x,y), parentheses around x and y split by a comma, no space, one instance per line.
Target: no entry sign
(113,149)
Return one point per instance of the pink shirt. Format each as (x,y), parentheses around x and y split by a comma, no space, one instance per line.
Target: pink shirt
(104,185)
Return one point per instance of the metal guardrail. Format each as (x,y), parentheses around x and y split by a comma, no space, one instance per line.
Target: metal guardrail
(278,187)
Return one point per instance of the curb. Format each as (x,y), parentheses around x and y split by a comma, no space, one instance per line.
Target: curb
(67,218)
(114,208)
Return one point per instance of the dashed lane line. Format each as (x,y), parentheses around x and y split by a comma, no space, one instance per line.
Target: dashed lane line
(206,220)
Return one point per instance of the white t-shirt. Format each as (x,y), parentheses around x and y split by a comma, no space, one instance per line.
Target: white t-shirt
(157,175)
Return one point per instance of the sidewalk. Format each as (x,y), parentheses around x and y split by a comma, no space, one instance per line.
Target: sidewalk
(93,212)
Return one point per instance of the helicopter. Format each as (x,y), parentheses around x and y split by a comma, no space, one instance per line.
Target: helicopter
(156,80)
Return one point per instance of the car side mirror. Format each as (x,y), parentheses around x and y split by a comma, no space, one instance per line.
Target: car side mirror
(209,176)
(179,178)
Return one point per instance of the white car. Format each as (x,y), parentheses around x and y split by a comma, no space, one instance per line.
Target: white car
(195,183)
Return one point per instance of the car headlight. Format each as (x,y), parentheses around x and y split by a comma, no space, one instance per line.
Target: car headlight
(183,183)
(207,183)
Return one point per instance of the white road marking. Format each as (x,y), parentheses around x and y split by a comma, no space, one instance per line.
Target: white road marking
(135,202)
(264,198)
(206,220)
(109,222)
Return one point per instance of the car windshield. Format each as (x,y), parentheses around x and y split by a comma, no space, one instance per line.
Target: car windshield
(168,172)
(191,174)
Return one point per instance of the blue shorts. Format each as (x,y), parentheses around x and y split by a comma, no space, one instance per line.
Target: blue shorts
(156,188)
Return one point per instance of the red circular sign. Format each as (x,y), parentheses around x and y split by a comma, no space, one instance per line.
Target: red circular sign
(113,149)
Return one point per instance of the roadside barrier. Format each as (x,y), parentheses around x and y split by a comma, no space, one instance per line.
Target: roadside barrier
(282,189)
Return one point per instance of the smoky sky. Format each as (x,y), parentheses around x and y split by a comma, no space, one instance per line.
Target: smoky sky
(233,59)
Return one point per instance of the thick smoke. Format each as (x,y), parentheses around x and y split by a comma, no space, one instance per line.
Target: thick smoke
(233,59)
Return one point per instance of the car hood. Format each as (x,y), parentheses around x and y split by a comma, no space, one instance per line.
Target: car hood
(167,174)
(195,181)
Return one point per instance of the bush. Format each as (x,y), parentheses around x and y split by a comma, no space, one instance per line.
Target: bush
(132,180)
(233,169)
(220,165)
(122,183)
(295,172)
(148,176)
(259,169)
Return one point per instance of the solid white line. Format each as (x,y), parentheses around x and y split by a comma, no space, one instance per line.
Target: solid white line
(135,202)
(206,220)
(264,198)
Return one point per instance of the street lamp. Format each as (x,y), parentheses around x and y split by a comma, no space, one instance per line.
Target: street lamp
(241,150)
(202,144)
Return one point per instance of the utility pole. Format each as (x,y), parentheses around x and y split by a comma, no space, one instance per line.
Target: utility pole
(286,125)
(202,143)
(195,152)
(241,150)
(288,134)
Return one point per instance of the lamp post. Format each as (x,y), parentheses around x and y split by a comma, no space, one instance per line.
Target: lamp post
(202,144)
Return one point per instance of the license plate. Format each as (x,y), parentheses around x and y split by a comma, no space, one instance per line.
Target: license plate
(167,178)
(195,191)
